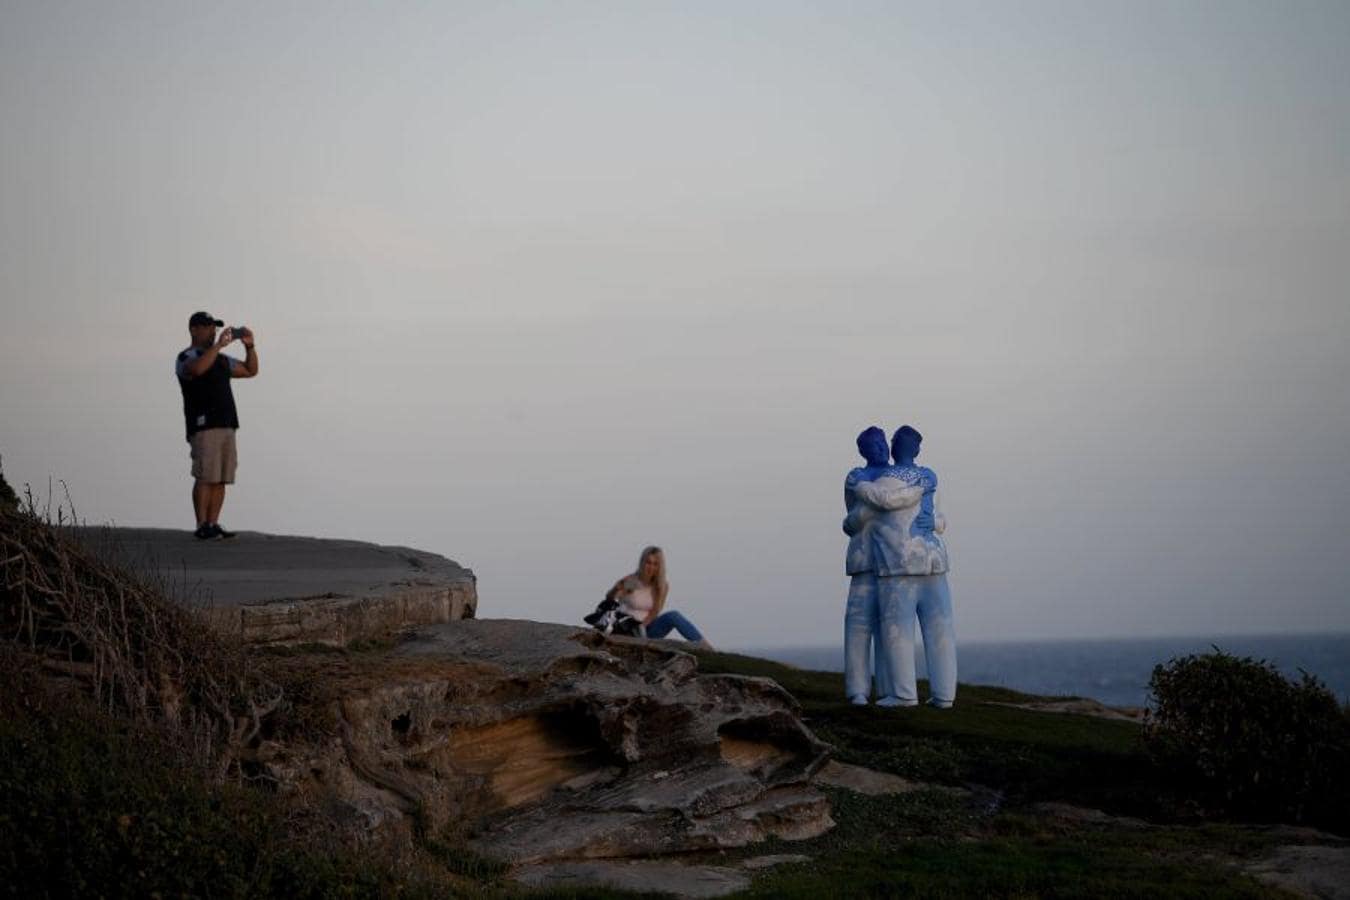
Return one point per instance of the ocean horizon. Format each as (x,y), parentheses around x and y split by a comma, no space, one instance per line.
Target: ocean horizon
(1114,671)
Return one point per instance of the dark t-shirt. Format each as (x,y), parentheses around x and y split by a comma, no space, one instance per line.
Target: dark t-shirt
(208,401)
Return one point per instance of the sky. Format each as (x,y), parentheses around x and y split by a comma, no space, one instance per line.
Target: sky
(537,284)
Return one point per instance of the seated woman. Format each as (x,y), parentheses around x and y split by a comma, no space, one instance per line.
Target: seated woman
(642,595)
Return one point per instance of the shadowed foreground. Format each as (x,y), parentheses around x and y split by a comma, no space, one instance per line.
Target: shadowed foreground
(506,759)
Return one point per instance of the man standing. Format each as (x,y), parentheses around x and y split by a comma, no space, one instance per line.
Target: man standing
(204,374)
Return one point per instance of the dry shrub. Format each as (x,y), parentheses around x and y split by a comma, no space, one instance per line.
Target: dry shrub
(138,654)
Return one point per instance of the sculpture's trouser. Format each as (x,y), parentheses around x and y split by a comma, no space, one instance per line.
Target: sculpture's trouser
(899,599)
(664,623)
(860,630)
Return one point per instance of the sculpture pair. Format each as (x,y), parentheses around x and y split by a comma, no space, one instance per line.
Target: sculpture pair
(897,562)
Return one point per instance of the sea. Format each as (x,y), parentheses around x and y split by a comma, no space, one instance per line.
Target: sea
(1113,671)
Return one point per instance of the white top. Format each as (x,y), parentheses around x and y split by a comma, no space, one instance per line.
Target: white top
(638,602)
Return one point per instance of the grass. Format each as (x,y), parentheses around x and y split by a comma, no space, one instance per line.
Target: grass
(934,844)
(1026,756)
(993,840)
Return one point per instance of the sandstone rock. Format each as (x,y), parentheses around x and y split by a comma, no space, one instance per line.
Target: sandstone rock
(755,863)
(1080,706)
(862,780)
(1307,871)
(642,877)
(1082,815)
(552,743)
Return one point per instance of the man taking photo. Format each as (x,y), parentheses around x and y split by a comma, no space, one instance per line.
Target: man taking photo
(204,374)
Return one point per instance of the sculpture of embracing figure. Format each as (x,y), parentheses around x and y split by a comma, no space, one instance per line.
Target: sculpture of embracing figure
(897,561)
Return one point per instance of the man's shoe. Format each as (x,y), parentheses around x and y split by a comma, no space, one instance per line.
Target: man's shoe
(217,531)
(204,533)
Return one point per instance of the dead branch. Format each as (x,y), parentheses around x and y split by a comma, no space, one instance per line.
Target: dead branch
(140,654)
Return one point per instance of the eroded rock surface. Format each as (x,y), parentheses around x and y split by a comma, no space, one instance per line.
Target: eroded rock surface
(551,743)
(638,876)
(1080,706)
(1307,871)
(862,780)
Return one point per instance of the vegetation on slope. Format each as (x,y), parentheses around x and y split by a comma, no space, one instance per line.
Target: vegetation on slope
(7,498)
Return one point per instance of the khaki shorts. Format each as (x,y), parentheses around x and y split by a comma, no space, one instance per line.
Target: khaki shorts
(214,456)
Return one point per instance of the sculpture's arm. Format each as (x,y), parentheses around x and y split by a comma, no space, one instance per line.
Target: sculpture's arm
(939,520)
(859,514)
(851,481)
(853,510)
(890,493)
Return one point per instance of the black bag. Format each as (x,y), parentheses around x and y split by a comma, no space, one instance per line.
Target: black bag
(610,619)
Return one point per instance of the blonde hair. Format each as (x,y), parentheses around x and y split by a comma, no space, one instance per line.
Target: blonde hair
(661,587)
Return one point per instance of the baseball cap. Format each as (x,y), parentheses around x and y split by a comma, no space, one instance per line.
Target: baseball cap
(204,318)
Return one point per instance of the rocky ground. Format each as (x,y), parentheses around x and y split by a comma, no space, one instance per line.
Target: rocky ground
(538,743)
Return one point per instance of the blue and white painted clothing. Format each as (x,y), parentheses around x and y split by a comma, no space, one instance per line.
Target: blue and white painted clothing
(861,621)
(901,601)
(905,537)
(862,640)
(911,563)
(858,556)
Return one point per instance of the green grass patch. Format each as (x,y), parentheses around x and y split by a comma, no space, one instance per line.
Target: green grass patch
(989,841)
(1025,755)
(935,844)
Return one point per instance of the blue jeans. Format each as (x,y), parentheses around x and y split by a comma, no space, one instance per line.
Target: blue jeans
(663,624)
(862,626)
(900,598)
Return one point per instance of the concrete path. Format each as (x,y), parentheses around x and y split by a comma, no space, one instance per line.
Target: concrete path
(270,588)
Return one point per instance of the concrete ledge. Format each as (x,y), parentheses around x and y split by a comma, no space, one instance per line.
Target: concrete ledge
(274,589)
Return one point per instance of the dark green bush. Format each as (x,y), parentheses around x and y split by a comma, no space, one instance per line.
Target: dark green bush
(1251,742)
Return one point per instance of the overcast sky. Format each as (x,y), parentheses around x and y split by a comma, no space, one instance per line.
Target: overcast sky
(536,284)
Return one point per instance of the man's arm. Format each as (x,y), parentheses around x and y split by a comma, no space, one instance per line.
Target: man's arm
(890,493)
(249,367)
(202,364)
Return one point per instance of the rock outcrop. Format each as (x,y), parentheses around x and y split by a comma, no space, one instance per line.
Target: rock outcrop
(540,743)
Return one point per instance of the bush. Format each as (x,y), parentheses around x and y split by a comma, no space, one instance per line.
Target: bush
(7,498)
(93,806)
(1250,741)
